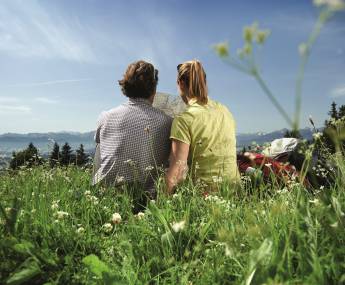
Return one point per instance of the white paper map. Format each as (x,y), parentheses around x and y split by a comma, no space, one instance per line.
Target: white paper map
(169,104)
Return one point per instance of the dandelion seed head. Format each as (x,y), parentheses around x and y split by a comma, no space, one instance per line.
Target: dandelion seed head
(116,218)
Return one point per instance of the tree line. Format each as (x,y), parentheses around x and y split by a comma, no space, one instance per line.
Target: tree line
(64,157)
(333,129)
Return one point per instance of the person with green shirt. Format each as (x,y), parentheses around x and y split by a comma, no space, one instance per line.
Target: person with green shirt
(203,136)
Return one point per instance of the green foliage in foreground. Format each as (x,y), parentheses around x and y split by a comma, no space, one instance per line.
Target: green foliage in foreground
(57,229)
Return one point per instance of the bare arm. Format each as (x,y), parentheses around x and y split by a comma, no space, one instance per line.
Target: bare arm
(178,164)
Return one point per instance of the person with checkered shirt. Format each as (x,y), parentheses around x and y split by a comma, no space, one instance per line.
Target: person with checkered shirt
(133,138)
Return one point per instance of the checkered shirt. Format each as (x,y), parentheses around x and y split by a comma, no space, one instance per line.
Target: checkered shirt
(133,142)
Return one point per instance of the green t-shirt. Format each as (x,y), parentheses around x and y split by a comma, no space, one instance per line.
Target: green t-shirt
(210,132)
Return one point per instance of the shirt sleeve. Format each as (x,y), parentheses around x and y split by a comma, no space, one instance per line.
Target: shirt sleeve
(99,126)
(180,130)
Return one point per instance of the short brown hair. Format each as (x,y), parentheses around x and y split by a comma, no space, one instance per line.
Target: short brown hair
(194,77)
(140,80)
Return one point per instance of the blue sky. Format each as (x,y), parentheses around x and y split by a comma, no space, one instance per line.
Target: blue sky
(60,60)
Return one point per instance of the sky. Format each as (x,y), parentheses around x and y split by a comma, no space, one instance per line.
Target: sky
(60,60)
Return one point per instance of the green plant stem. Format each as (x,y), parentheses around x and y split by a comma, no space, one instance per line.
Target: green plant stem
(300,77)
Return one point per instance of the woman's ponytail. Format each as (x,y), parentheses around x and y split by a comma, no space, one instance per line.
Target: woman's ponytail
(194,76)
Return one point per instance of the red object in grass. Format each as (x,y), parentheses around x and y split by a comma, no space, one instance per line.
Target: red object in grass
(269,166)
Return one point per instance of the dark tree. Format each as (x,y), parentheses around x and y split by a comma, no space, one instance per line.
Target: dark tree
(333,112)
(330,132)
(54,155)
(81,157)
(28,157)
(66,156)
(341,112)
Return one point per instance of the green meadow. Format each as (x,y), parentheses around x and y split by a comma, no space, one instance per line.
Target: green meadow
(58,229)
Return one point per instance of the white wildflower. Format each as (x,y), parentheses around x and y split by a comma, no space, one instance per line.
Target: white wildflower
(317,136)
(55,205)
(175,196)
(315,201)
(93,199)
(116,218)
(87,193)
(130,162)
(61,214)
(140,215)
(334,225)
(80,230)
(107,227)
(179,226)
(119,179)
(149,168)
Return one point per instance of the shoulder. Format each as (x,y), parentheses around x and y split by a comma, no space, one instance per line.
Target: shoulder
(220,106)
(160,116)
(187,116)
(105,115)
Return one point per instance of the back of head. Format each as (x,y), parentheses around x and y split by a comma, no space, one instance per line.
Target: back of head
(192,74)
(140,80)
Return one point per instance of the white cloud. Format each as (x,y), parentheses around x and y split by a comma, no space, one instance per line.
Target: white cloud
(51,82)
(28,30)
(45,100)
(14,109)
(8,99)
(338,91)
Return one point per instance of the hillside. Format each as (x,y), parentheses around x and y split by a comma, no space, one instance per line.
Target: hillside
(44,141)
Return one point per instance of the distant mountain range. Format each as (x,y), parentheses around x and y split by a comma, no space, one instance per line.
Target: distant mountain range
(44,141)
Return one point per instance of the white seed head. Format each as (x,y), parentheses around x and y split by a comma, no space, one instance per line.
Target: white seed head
(107,227)
(116,218)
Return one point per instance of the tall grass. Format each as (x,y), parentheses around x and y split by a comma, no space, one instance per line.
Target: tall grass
(57,229)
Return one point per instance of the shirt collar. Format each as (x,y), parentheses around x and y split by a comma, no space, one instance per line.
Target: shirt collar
(139,101)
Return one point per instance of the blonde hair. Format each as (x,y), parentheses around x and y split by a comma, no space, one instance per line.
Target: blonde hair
(193,75)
